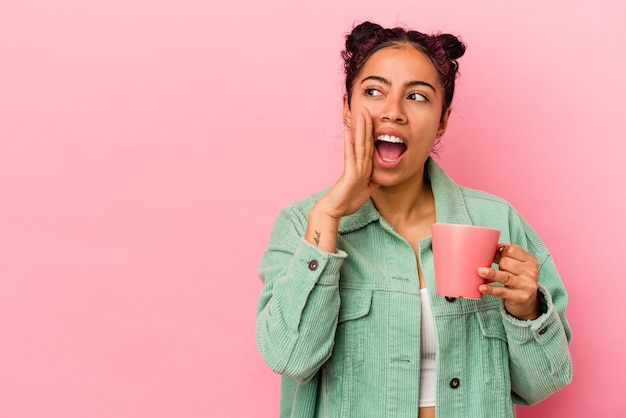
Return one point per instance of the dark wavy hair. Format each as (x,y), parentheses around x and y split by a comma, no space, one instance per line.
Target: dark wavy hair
(366,38)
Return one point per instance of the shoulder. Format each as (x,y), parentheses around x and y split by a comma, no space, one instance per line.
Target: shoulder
(485,200)
(459,204)
(487,208)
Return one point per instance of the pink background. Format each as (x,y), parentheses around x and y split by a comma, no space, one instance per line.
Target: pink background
(147,146)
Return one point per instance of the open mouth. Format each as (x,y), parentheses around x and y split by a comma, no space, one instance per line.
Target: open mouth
(389,147)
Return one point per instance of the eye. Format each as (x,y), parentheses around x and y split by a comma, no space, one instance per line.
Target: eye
(371,91)
(418,97)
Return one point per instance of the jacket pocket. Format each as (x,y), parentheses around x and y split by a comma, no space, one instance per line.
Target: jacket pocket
(349,343)
(494,349)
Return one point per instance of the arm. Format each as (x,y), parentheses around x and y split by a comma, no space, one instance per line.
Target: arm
(540,361)
(533,312)
(299,305)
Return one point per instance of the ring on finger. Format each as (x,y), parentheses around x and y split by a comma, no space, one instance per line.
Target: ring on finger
(508,281)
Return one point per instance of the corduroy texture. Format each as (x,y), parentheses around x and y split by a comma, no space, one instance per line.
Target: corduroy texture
(345,331)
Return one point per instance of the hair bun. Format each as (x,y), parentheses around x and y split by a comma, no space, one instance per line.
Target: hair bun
(360,34)
(453,46)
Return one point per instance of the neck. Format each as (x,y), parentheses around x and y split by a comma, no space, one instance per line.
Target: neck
(404,204)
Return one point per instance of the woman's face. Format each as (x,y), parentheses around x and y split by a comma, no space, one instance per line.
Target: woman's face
(400,88)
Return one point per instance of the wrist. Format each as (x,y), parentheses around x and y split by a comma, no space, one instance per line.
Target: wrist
(322,229)
(529,315)
(326,212)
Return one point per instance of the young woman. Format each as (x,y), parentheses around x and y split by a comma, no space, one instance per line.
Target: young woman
(349,314)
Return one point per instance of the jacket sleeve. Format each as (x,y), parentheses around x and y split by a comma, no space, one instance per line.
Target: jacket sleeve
(299,305)
(540,361)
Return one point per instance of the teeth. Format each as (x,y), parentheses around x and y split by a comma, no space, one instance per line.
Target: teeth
(390,138)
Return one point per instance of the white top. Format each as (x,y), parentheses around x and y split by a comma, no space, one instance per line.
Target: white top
(428,370)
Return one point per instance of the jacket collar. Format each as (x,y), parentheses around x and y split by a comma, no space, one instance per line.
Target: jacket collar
(449,203)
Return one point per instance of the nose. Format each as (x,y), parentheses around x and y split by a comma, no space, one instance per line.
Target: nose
(393,111)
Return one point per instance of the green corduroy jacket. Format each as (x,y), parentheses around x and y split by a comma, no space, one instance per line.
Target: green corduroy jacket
(343,329)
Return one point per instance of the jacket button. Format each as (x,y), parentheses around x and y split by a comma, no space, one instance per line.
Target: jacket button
(454,383)
(543,330)
(313,264)
(450,299)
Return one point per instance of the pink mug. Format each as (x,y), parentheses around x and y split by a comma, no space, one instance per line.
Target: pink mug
(458,251)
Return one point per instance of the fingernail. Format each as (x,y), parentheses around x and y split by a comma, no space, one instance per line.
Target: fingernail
(483,270)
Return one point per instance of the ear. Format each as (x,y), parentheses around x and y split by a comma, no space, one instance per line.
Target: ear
(346,108)
(443,124)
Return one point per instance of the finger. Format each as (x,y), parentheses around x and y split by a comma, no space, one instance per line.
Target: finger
(516,252)
(518,291)
(348,147)
(369,133)
(508,294)
(504,277)
(528,266)
(498,291)
(512,266)
(498,254)
(509,279)
(522,288)
(520,304)
(359,136)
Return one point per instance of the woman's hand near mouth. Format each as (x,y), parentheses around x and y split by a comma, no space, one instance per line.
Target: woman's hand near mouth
(352,189)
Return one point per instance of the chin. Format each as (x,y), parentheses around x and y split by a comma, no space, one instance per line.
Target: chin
(391,179)
(385,179)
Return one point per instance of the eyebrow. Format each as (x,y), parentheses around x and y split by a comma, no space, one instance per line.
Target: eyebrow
(408,84)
